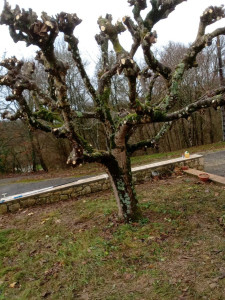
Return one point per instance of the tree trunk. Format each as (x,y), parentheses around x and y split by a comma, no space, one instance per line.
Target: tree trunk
(222,83)
(201,130)
(119,170)
(223,121)
(40,156)
(42,162)
(211,134)
(33,152)
(195,130)
(185,135)
(180,144)
(168,143)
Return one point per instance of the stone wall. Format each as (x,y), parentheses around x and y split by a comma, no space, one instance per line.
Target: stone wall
(96,184)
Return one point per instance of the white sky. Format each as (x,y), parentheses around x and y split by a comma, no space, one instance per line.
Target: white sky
(180,26)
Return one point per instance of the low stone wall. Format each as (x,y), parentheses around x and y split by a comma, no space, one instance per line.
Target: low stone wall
(96,184)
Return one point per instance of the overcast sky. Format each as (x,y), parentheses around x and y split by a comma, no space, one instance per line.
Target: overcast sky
(180,26)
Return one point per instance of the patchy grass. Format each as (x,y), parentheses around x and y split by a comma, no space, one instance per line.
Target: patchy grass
(79,250)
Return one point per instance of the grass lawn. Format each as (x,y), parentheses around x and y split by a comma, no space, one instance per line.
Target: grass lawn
(78,249)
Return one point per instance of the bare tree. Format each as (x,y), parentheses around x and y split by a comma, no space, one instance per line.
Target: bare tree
(222,81)
(53,112)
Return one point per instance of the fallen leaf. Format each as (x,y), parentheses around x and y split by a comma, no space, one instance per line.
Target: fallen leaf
(46,294)
(151,238)
(128,276)
(45,220)
(222,276)
(84,296)
(13,285)
(213,285)
(30,214)
(32,252)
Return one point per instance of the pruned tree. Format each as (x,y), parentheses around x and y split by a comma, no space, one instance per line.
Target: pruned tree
(53,112)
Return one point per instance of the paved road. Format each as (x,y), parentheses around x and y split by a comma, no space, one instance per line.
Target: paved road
(214,163)
(10,187)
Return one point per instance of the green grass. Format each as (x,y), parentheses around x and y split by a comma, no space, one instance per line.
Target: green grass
(79,250)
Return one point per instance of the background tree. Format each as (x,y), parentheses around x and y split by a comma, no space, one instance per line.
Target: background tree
(53,112)
(200,128)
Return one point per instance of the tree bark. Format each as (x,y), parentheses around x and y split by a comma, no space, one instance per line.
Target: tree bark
(185,135)
(211,134)
(222,83)
(119,170)
(33,152)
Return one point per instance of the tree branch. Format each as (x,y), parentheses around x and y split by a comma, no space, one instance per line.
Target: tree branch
(138,5)
(96,156)
(12,117)
(150,143)
(153,63)
(133,29)
(209,16)
(67,23)
(213,99)
(160,10)
(112,31)
(103,41)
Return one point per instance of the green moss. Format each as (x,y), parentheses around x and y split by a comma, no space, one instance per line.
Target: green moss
(158,114)
(132,118)
(117,47)
(120,185)
(174,87)
(48,115)
(79,114)
(177,77)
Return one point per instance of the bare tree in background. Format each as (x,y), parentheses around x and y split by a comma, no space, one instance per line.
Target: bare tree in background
(222,81)
(53,113)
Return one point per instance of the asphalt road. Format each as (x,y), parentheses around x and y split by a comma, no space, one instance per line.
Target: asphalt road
(214,163)
(9,187)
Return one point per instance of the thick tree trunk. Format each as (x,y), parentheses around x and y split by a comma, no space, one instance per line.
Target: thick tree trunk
(119,170)
(121,179)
